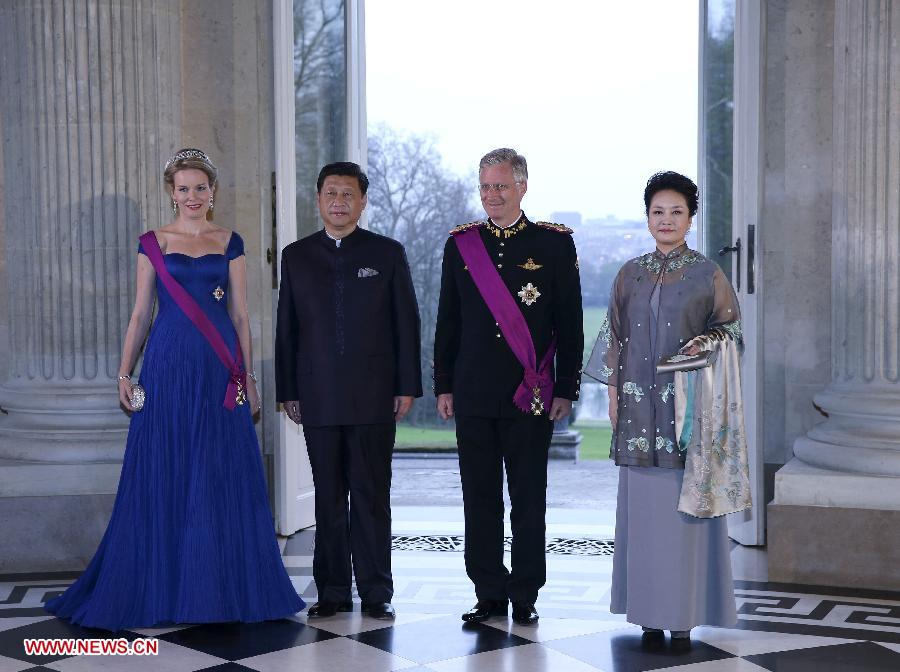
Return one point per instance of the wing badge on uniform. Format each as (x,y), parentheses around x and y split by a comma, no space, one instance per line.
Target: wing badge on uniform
(530,265)
(529,294)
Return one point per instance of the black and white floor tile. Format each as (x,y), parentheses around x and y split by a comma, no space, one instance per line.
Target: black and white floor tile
(783,628)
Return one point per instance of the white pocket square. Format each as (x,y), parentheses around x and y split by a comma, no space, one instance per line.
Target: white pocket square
(366,273)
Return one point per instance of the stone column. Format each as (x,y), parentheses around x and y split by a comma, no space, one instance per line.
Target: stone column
(836,515)
(89,113)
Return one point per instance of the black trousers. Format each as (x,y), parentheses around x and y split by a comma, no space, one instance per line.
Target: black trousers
(352,461)
(485,446)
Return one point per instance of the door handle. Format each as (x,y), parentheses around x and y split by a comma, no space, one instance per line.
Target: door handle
(751,258)
(728,249)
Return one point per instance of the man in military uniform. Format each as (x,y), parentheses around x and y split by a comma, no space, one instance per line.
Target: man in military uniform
(510,296)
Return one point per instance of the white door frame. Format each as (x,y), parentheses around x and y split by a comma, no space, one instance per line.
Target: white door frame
(749,527)
(355,49)
(294,491)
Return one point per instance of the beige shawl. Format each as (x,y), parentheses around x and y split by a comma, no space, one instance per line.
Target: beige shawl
(709,421)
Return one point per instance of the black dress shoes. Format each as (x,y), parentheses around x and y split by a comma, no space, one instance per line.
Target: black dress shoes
(524,613)
(381,610)
(325,609)
(484,609)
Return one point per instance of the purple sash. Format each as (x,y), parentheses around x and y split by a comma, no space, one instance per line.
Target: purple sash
(535,392)
(237,383)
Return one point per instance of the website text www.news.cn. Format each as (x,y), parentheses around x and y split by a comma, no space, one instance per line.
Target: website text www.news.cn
(91,647)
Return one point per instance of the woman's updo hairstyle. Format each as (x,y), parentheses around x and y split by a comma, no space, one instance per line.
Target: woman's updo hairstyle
(186,159)
(676,182)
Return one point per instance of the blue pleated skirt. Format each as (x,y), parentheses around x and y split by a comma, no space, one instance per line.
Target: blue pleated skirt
(191,538)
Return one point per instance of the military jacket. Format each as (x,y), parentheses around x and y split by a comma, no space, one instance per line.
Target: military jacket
(538,264)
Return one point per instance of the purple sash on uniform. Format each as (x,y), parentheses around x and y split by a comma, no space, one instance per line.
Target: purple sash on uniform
(237,381)
(535,392)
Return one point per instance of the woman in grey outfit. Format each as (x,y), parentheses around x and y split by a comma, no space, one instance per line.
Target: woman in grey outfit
(671,571)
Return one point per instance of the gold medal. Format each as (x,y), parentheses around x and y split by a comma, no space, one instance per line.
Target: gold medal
(537,404)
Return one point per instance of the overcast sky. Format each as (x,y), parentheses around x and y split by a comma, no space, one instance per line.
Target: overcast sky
(597,94)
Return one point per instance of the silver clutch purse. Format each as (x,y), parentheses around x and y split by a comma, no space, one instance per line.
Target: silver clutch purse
(138,397)
(680,362)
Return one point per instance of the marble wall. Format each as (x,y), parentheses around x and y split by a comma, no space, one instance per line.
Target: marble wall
(796,218)
(227,108)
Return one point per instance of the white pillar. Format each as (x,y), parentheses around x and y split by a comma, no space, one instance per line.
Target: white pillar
(90,111)
(846,471)
(862,434)
(86,120)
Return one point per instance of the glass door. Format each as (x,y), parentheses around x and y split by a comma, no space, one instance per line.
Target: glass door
(731,95)
(319,85)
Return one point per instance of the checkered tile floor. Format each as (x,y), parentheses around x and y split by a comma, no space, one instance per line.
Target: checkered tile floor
(782,628)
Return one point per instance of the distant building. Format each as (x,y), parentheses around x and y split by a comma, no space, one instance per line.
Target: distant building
(570,219)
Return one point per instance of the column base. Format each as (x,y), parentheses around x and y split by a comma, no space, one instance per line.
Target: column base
(52,516)
(564,445)
(834,529)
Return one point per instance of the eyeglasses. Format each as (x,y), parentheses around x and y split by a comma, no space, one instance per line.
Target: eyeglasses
(501,188)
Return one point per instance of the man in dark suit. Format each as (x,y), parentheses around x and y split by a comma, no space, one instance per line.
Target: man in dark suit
(347,366)
(478,371)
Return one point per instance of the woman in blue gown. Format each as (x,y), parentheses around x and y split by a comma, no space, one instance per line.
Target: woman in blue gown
(191,538)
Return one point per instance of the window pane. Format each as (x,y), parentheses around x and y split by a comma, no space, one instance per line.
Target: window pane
(320,95)
(717,90)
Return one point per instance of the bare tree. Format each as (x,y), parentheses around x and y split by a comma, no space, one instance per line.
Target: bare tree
(319,95)
(414,199)
(316,25)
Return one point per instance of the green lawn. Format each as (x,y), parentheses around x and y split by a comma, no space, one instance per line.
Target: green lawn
(592,319)
(595,437)
(425,437)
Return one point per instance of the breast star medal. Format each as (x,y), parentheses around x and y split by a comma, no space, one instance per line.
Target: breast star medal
(529,294)
(218,293)
(530,265)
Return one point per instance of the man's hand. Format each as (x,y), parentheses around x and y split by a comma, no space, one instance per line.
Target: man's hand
(401,407)
(560,408)
(445,405)
(292,408)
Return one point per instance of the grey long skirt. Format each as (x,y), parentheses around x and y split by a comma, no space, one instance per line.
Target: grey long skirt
(670,571)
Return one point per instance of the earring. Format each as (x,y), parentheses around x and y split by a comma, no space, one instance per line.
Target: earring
(210,202)
(174,207)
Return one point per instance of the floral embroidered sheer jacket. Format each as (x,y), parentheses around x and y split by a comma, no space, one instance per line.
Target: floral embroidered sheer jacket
(658,303)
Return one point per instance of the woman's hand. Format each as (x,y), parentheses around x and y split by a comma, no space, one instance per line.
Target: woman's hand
(253,396)
(125,388)
(613,413)
(691,348)
(613,393)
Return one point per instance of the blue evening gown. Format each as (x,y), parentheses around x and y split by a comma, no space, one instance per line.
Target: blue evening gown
(190,539)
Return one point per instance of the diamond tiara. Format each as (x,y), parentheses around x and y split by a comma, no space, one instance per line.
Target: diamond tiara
(189,154)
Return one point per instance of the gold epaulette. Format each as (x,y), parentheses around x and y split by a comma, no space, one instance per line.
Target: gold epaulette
(466,227)
(559,228)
